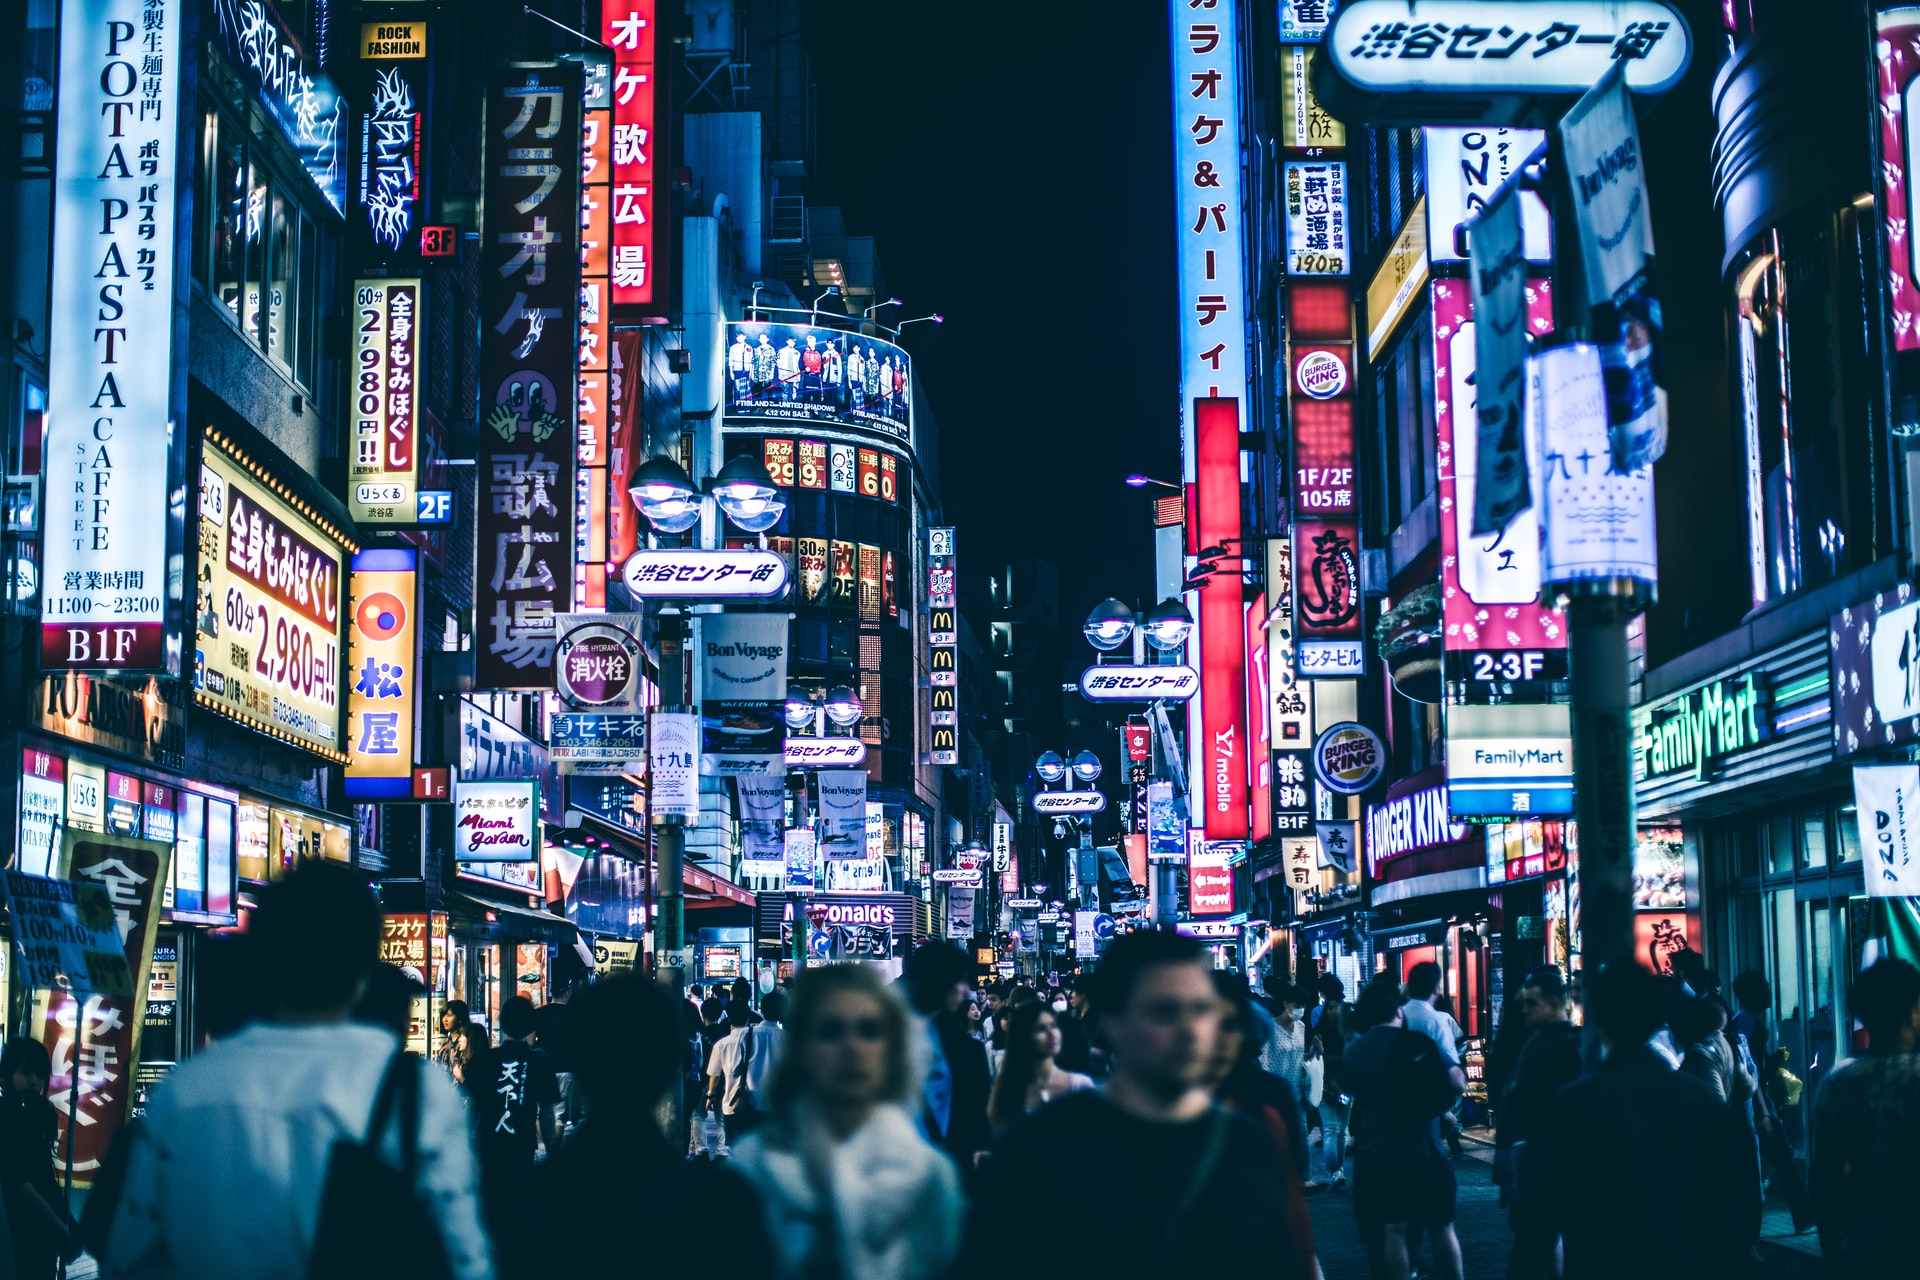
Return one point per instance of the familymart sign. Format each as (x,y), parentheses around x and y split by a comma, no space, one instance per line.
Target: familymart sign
(1691,733)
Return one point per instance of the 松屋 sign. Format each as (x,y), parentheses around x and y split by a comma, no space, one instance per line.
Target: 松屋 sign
(496,821)
(382,641)
(110,351)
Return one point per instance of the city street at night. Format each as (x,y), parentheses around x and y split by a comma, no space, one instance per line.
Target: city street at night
(876,640)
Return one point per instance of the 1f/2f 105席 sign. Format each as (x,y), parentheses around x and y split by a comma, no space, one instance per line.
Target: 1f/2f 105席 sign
(692,574)
(1056,802)
(1128,683)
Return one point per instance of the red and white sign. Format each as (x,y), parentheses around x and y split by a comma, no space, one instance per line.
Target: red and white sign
(1320,374)
(1139,740)
(1259,724)
(1223,637)
(1210,879)
(630,30)
(1326,511)
(496,821)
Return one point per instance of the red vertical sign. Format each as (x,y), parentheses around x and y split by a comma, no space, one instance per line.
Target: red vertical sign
(630,30)
(1223,636)
(1259,723)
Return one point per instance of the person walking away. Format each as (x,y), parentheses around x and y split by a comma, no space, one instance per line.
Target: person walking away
(29,1147)
(226,1176)
(1699,1026)
(1242,1086)
(1422,1013)
(1076,1033)
(1549,1061)
(741,993)
(1634,1161)
(617,1178)
(850,1187)
(938,978)
(553,1036)
(1327,1042)
(514,1096)
(737,1073)
(1403,1186)
(1030,1076)
(1866,1132)
(1284,1054)
(1755,998)
(1204,1191)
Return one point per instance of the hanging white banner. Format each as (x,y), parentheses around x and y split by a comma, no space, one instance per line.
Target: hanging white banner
(843,805)
(1888,799)
(1498,285)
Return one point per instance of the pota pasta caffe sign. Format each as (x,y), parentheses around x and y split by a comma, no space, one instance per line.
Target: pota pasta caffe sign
(268,619)
(496,821)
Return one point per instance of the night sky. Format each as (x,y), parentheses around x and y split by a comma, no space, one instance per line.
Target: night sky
(1011,161)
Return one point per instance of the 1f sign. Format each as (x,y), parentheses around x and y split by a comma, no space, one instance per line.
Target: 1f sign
(110,356)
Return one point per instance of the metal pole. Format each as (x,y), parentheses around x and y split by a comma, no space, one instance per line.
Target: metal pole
(1602,711)
(670,845)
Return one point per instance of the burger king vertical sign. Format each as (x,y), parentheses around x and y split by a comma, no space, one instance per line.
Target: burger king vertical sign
(382,653)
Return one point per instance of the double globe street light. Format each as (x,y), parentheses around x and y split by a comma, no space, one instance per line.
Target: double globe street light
(1111,624)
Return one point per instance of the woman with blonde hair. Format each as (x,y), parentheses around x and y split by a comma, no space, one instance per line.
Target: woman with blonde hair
(852,1190)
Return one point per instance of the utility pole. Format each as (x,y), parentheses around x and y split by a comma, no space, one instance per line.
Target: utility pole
(670,849)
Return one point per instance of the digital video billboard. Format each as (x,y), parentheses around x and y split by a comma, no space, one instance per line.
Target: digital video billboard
(798,373)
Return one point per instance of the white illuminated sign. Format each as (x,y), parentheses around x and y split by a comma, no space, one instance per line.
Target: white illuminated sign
(104,570)
(1052,802)
(1126,683)
(823,753)
(693,574)
(1316,198)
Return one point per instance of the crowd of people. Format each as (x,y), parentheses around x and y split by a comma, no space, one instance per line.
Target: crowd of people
(844,1127)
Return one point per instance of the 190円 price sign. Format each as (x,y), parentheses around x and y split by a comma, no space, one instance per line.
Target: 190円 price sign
(267,612)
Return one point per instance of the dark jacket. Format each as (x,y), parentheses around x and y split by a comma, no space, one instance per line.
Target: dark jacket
(1636,1162)
(1548,1063)
(968,1130)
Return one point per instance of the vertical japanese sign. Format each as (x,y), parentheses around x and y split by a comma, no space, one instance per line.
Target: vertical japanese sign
(392,173)
(134,874)
(1207,208)
(385,467)
(382,646)
(1325,563)
(1316,224)
(1304,124)
(591,441)
(1898,53)
(943,639)
(623,435)
(530,298)
(629,29)
(1223,669)
(1259,723)
(110,351)
(1493,615)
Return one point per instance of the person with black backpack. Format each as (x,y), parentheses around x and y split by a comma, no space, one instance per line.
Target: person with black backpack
(306,1146)
(738,1070)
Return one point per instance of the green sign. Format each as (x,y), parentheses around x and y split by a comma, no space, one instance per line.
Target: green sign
(1690,733)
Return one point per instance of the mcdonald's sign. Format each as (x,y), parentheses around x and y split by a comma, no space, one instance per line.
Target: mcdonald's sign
(943,638)
(942,628)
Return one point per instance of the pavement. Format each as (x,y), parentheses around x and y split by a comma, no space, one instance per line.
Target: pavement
(1481,1223)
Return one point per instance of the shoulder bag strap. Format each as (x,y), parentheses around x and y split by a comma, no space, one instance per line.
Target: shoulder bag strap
(1203,1173)
(383,1099)
(408,1069)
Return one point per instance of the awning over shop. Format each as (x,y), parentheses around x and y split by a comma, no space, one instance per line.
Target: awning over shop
(703,888)
(520,924)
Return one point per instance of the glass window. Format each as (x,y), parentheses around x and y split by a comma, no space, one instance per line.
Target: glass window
(282,237)
(1813,839)
(229,211)
(1780,844)
(220,834)
(255,252)
(1847,831)
(190,854)
(306,348)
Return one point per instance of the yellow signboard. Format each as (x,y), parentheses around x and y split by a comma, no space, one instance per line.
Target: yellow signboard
(1400,281)
(1304,123)
(391,41)
(269,618)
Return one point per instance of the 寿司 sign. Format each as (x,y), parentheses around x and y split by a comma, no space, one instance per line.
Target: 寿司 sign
(496,821)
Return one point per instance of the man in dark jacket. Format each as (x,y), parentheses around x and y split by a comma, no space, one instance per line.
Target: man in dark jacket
(938,978)
(1548,1063)
(1634,1161)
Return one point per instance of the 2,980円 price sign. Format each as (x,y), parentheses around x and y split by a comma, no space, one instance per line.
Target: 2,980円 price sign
(268,620)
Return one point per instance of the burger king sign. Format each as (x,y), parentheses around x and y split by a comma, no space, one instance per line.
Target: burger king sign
(1349,758)
(1320,375)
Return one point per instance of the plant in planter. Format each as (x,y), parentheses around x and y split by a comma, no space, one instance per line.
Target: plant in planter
(1407,638)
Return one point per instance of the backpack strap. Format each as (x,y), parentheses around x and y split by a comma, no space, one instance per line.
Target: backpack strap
(396,1082)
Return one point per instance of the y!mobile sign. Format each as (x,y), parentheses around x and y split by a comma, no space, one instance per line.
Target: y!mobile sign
(110,349)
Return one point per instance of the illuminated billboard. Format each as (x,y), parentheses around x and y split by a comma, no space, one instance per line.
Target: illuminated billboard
(797,373)
(385,467)
(268,619)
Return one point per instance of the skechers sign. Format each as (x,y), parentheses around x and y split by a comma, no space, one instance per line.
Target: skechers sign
(692,574)
(1055,802)
(1122,683)
(1408,824)
(1692,733)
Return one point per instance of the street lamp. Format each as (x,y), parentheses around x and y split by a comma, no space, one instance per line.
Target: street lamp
(1168,625)
(844,707)
(1138,481)
(1086,766)
(1050,767)
(665,495)
(890,302)
(833,290)
(800,708)
(1109,625)
(746,493)
(936,318)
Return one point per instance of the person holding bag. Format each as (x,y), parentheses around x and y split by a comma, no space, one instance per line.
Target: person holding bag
(306,1147)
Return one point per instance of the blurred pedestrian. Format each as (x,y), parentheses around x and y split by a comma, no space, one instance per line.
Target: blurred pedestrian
(1548,1062)
(36,1209)
(938,978)
(554,1036)
(851,1189)
(1327,1039)
(226,1178)
(1866,1133)
(514,1098)
(1699,1025)
(388,1000)
(1634,1161)
(618,1183)
(1030,1075)
(1403,1186)
(1204,1191)
(1241,1085)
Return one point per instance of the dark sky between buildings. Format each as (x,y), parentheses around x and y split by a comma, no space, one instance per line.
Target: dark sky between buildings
(1011,160)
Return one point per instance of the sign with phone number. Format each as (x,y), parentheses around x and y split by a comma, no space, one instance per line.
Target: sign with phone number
(268,618)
